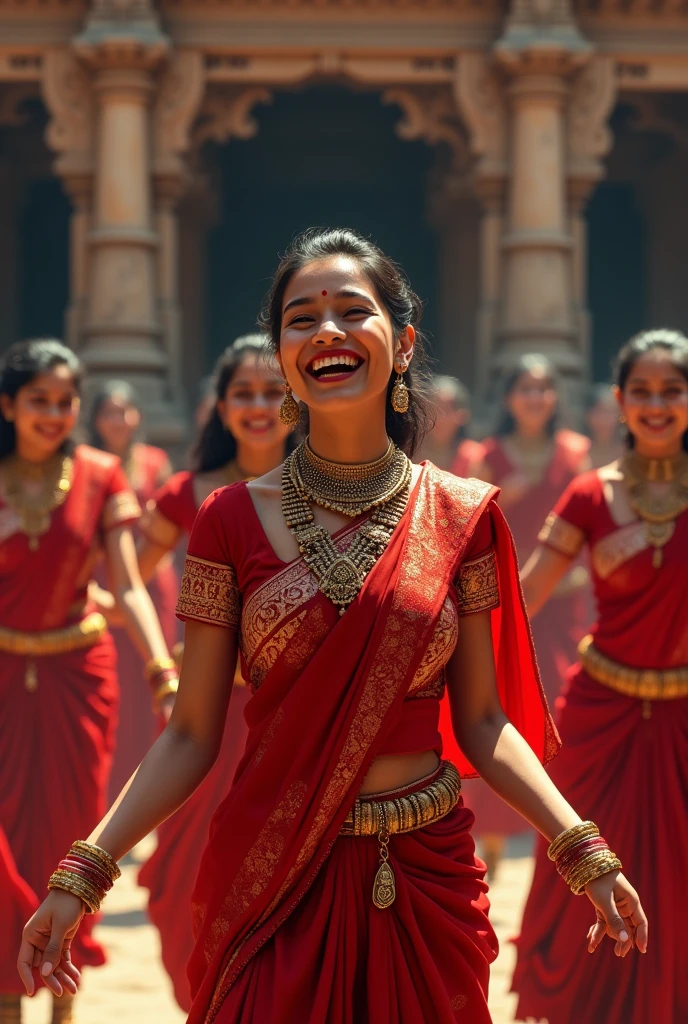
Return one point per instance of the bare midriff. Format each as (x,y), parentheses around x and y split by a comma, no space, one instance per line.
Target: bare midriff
(398,770)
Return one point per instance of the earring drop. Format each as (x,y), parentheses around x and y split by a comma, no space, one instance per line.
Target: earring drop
(400,394)
(289,412)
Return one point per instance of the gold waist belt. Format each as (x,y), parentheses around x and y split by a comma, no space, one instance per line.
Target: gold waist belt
(384,811)
(643,683)
(54,641)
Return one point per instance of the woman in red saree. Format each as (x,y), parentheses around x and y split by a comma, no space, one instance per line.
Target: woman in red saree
(241,439)
(623,716)
(339,883)
(114,423)
(532,462)
(59,506)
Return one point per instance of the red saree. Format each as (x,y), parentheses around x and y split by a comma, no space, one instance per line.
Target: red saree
(623,765)
(561,624)
(58,709)
(146,469)
(171,871)
(286,929)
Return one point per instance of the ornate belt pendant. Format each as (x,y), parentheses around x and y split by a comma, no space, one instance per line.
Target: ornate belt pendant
(384,886)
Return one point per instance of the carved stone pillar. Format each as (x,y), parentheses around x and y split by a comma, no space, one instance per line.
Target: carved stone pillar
(79,188)
(123,46)
(539,53)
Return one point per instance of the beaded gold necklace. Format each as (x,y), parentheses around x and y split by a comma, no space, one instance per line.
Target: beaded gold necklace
(35,512)
(658,512)
(351,490)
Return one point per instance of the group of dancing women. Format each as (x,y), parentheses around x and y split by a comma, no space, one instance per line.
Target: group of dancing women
(357,643)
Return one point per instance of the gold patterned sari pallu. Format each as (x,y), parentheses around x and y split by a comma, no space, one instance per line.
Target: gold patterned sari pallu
(406,813)
(644,684)
(54,641)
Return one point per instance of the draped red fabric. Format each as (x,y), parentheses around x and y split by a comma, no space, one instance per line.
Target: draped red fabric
(137,723)
(170,873)
(561,624)
(68,721)
(17,904)
(315,725)
(624,766)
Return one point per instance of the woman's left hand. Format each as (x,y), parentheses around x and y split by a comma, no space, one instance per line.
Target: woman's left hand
(619,914)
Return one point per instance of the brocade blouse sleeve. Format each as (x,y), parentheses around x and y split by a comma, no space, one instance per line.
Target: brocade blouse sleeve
(121,505)
(209,590)
(476,585)
(567,527)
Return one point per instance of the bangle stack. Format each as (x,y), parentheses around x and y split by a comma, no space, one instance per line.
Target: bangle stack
(163,676)
(581,855)
(87,872)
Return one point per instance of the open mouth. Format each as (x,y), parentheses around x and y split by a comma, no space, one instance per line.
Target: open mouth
(335,366)
(259,424)
(657,423)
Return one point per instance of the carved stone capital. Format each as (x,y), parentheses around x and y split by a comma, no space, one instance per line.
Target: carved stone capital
(122,34)
(177,104)
(480,99)
(67,92)
(225,113)
(541,37)
(431,114)
(589,137)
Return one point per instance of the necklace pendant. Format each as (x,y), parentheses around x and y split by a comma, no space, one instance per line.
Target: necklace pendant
(342,581)
(384,886)
(657,558)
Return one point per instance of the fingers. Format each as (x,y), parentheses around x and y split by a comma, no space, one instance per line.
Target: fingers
(67,983)
(25,964)
(596,933)
(52,954)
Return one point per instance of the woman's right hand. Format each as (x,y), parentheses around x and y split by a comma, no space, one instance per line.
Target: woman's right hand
(46,942)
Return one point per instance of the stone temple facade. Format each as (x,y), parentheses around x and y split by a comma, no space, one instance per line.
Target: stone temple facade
(527,161)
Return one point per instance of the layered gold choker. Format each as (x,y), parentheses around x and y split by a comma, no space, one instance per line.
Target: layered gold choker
(34,513)
(386,490)
(350,490)
(658,511)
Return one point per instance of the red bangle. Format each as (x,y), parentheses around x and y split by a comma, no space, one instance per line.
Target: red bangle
(80,864)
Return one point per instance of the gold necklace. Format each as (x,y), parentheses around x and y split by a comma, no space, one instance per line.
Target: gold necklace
(658,512)
(350,490)
(35,512)
(341,576)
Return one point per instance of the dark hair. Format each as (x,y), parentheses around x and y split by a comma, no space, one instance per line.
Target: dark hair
(674,343)
(526,364)
(111,389)
(401,302)
(216,446)
(21,363)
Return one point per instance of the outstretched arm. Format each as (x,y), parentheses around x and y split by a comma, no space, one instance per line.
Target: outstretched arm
(506,762)
(540,575)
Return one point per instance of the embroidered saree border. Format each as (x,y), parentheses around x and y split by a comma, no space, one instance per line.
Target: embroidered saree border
(209,593)
(422,569)
(610,553)
(477,588)
(561,535)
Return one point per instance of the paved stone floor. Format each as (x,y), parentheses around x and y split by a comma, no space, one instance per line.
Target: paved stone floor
(134,989)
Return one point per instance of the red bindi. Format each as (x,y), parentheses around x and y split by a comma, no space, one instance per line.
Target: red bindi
(324,292)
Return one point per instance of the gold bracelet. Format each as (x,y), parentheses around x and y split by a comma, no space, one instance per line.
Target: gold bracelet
(602,867)
(99,856)
(170,686)
(157,665)
(76,886)
(565,840)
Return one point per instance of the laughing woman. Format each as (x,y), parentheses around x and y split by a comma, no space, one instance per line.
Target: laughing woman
(61,505)
(339,883)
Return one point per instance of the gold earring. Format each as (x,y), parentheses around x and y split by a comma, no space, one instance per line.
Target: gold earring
(400,394)
(289,412)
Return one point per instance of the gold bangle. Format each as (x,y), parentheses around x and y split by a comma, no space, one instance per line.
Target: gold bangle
(588,868)
(76,886)
(170,686)
(565,840)
(156,665)
(99,856)
(603,868)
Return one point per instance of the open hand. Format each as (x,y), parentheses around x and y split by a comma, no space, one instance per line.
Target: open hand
(46,943)
(619,914)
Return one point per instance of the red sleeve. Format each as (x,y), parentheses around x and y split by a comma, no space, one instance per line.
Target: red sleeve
(569,524)
(170,512)
(121,504)
(476,586)
(209,591)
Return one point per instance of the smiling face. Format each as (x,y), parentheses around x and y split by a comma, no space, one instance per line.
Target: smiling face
(533,400)
(654,403)
(250,407)
(44,412)
(337,343)
(117,422)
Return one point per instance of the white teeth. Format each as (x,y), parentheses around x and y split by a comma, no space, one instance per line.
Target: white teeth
(343,360)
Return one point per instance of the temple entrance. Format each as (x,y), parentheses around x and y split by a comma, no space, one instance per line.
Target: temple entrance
(322,156)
